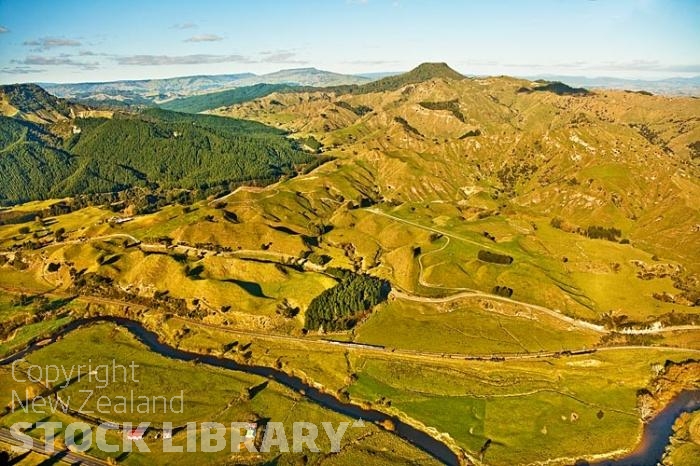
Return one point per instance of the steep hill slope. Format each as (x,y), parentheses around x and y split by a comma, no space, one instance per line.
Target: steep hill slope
(32,103)
(32,161)
(153,148)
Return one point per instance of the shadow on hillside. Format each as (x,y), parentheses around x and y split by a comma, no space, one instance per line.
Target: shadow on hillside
(555,87)
(284,229)
(257,389)
(5,457)
(251,288)
(56,458)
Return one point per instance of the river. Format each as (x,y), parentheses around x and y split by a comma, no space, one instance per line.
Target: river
(416,437)
(657,432)
(648,453)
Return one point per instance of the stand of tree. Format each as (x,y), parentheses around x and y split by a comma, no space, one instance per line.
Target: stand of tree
(340,307)
(493,257)
(154,148)
(502,291)
(593,231)
(94,284)
(598,232)
(451,106)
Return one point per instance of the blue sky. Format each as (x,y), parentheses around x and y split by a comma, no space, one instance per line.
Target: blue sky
(101,40)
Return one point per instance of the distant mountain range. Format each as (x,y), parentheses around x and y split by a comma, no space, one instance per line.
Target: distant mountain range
(304,77)
(148,92)
(670,86)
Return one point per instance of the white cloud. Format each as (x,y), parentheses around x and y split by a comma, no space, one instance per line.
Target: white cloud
(63,60)
(196,59)
(281,56)
(205,38)
(21,70)
(45,43)
(187,25)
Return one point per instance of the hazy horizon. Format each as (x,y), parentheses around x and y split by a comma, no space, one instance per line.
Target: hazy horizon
(368,73)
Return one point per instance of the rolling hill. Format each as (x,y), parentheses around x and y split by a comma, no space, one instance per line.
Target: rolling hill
(609,158)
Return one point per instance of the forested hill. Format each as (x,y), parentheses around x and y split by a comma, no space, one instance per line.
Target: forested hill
(419,74)
(200,103)
(32,161)
(153,148)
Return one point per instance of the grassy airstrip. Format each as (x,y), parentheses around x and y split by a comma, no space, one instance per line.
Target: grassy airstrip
(467,327)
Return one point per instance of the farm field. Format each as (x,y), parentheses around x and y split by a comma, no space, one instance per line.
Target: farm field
(156,376)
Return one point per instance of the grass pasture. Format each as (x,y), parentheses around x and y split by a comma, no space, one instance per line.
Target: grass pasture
(465,326)
(210,394)
(532,411)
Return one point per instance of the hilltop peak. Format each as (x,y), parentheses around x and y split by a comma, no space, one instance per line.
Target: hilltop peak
(31,102)
(305,69)
(20,92)
(419,74)
(431,70)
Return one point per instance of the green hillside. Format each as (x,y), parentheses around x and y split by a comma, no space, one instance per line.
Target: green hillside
(200,103)
(179,151)
(31,161)
(156,147)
